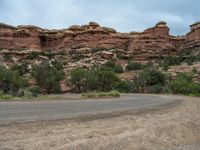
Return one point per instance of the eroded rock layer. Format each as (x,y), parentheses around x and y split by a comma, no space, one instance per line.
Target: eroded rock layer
(139,46)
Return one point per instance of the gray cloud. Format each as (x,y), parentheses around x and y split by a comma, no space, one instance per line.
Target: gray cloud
(125,16)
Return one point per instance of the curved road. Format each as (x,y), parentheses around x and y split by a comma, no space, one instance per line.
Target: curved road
(16,112)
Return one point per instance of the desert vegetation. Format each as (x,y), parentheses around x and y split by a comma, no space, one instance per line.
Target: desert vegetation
(101,94)
(98,80)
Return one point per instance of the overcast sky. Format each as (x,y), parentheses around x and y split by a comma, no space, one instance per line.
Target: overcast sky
(123,15)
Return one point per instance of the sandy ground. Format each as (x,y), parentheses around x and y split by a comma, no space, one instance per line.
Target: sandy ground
(173,128)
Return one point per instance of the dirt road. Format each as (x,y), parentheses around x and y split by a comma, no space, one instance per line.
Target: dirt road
(15,112)
(172,127)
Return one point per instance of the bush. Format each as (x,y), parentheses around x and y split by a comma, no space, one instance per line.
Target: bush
(114,93)
(166,89)
(92,80)
(183,84)
(133,66)
(102,79)
(126,87)
(21,68)
(156,89)
(58,65)
(32,55)
(49,54)
(78,79)
(118,69)
(106,79)
(36,90)
(112,65)
(48,77)
(150,77)
(7,57)
(10,81)
(190,61)
(171,61)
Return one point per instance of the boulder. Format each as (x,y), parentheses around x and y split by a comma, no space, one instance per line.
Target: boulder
(75,28)
(94,24)
(107,55)
(110,30)
(161,24)
(195,26)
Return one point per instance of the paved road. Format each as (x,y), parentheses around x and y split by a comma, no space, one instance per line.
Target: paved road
(15,112)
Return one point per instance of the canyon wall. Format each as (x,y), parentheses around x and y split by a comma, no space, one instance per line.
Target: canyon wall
(153,42)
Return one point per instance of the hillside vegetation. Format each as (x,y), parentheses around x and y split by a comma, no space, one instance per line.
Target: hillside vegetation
(21,80)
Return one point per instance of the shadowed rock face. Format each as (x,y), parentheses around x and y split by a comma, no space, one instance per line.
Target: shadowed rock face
(141,46)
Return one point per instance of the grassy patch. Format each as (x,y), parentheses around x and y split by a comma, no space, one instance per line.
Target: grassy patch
(4,96)
(101,94)
(193,95)
(49,97)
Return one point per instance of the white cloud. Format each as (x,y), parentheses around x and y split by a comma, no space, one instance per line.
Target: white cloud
(123,15)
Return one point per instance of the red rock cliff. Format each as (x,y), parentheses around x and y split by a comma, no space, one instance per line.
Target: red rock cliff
(140,46)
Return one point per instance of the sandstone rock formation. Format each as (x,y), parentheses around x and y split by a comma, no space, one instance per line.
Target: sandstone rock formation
(138,46)
(193,37)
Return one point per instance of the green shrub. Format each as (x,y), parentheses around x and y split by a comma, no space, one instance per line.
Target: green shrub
(7,57)
(133,66)
(166,89)
(120,56)
(48,77)
(89,95)
(150,77)
(21,68)
(184,84)
(171,61)
(101,94)
(113,66)
(118,69)
(114,93)
(58,65)
(78,79)
(92,80)
(110,64)
(106,79)
(32,55)
(148,65)
(156,89)
(49,54)
(10,81)
(36,90)
(102,79)
(190,61)
(126,87)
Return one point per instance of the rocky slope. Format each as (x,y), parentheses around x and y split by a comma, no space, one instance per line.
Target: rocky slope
(89,44)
